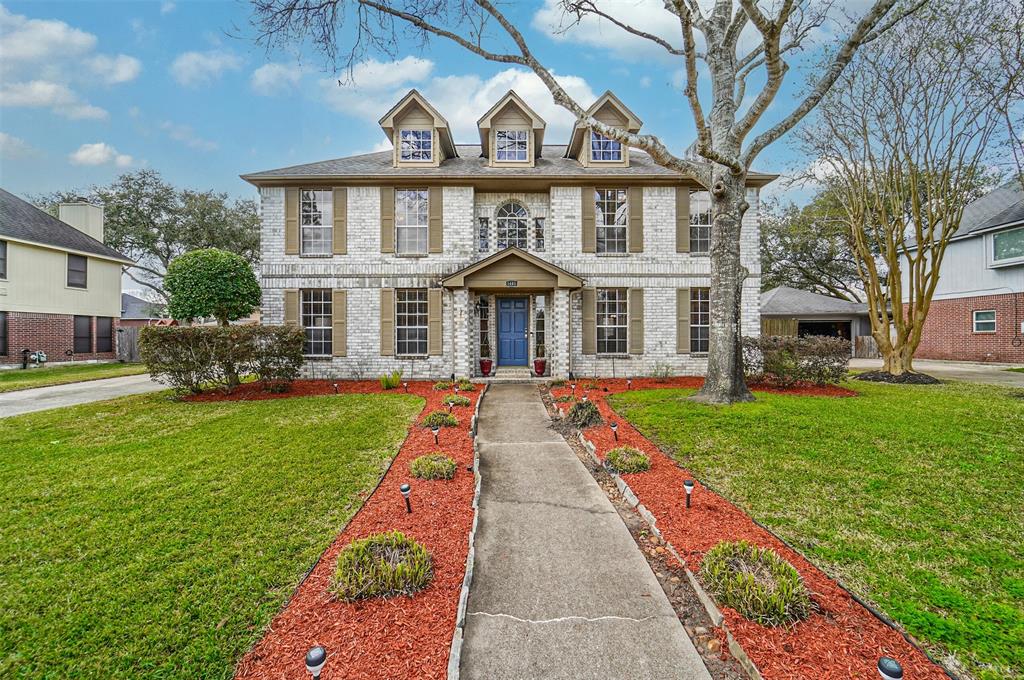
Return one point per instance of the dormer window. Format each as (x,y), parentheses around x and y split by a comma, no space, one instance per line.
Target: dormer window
(417,145)
(604,149)
(511,145)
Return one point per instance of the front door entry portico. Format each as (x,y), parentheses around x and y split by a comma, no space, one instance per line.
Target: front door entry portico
(512,331)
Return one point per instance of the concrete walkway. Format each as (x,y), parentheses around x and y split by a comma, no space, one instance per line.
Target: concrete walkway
(43,398)
(983,374)
(560,590)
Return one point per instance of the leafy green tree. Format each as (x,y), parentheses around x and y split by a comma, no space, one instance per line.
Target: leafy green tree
(211,283)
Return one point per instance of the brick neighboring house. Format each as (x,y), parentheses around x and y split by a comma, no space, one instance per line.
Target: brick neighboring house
(977,313)
(138,312)
(60,287)
(414,259)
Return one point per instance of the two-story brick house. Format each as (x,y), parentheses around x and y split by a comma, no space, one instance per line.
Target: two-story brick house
(417,258)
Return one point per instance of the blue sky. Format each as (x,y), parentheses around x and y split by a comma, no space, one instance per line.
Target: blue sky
(89,90)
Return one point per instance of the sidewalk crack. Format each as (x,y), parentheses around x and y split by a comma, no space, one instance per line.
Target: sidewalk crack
(562,619)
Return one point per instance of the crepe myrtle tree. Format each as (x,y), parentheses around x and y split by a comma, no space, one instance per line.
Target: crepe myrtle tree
(724,147)
(211,283)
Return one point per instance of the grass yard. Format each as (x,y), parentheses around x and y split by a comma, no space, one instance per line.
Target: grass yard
(19,379)
(912,496)
(148,538)
(1016,370)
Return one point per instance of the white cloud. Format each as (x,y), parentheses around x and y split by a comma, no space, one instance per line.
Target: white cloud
(646,15)
(167,7)
(374,87)
(99,153)
(12,147)
(27,40)
(645,81)
(186,135)
(57,97)
(271,79)
(113,70)
(193,69)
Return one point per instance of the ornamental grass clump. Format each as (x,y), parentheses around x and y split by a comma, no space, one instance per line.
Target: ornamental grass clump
(584,414)
(441,419)
(442,385)
(433,466)
(466,386)
(455,400)
(756,582)
(382,565)
(390,381)
(626,459)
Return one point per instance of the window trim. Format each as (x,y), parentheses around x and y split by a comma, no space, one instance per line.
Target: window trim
(425,226)
(426,319)
(596,136)
(525,141)
(67,272)
(429,151)
(990,247)
(523,226)
(323,198)
(601,225)
(623,299)
(326,303)
(696,196)
(694,326)
(994,321)
(75,336)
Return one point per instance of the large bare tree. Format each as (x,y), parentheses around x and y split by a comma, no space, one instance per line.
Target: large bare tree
(707,39)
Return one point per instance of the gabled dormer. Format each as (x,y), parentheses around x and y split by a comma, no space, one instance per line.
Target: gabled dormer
(591,148)
(511,133)
(419,133)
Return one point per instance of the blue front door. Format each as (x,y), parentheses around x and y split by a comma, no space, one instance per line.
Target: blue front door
(512,331)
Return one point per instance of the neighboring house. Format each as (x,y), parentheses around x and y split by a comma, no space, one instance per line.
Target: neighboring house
(138,312)
(791,311)
(60,287)
(977,312)
(414,259)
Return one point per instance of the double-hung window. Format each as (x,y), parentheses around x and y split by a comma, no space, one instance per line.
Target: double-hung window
(316,320)
(104,334)
(700,222)
(411,321)
(700,319)
(315,222)
(612,213)
(512,226)
(511,145)
(83,335)
(3,259)
(984,321)
(612,320)
(3,334)
(417,145)
(78,271)
(604,149)
(412,211)
(1008,247)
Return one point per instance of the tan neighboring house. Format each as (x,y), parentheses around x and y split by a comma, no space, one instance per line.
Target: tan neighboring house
(60,287)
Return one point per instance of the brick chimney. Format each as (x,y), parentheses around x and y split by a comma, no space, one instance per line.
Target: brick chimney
(84,217)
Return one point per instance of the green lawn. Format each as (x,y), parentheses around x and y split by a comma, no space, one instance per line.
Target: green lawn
(1016,370)
(18,379)
(912,496)
(148,538)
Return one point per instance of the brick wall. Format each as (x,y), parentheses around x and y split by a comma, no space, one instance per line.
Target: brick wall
(51,333)
(949,330)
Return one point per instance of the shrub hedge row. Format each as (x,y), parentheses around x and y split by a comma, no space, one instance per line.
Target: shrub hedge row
(786,359)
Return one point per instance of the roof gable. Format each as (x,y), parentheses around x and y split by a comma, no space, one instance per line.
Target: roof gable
(609,110)
(547,271)
(412,100)
(511,101)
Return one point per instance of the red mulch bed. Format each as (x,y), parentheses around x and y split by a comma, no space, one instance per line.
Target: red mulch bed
(400,637)
(844,640)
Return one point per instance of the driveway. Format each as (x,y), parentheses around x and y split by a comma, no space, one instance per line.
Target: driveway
(984,374)
(44,398)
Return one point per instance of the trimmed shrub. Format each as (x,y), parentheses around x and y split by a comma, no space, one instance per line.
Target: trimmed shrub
(785,360)
(211,283)
(557,382)
(455,400)
(390,381)
(382,565)
(626,459)
(466,386)
(442,385)
(277,355)
(433,466)
(756,582)
(584,414)
(441,419)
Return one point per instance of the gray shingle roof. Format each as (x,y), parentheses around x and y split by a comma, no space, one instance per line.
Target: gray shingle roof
(23,221)
(1004,205)
(136,308)
(786,301)
(469,164)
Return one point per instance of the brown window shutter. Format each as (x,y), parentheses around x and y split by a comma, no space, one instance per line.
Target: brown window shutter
(291,307)
(387,219)
(387,322)
(636,320)
(340,221)
(435,329)
(636,219)
(291,221)
(589,300)
(587,218)
(682,320)
(435,223)
(339,323)
(683,220)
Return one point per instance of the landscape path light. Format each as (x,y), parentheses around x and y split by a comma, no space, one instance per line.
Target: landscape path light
(315,660)
(572,386)
(406,492)
(615,430)
(889,668)
(688,485)
(456,390)
(450,405)
(406,386)
(435,429)
(335,388)
(629,383)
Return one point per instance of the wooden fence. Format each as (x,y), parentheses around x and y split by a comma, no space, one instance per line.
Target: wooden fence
(128,343)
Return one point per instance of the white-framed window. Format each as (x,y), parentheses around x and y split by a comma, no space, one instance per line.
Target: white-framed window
(538,234)
(511,145)
(512,221)
(611,210)
(411,321)
(316,221)
(483,234)
(539,309)
(700,222)
(1008,246)
(412,210)
(416,145)
(700,319)
(78,271)
(604,149)
(483,315)
(316,320)
(984,321)
(612,320)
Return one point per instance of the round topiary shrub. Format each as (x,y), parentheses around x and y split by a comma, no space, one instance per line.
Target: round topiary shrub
(756,582)
(455,400)
(441,419)
(382,565)
(626,459)
(584,414)
(433,466)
